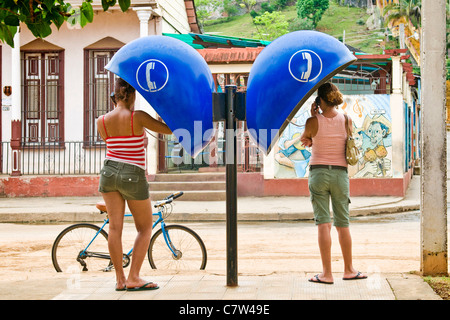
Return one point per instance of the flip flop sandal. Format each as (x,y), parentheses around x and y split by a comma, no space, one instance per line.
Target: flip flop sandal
(357,277)
(318,280)
(144,287)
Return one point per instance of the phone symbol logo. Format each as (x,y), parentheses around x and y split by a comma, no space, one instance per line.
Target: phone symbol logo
(305,65)
(152,75)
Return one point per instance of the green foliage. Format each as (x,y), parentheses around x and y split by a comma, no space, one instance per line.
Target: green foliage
(280,4)
(448,69)
(271,25)
(253,14)
(40,15)
(361,22)
(266,6)
(334,21)
(312,9)
(300,24)
(230,8)
(247,4)
(203,9)
(410,9)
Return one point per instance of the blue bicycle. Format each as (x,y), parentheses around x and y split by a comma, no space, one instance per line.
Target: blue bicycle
(84,246)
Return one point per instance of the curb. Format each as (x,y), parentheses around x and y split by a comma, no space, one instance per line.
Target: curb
(94,216)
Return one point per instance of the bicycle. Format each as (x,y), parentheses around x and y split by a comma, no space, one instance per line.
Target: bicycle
(173,247)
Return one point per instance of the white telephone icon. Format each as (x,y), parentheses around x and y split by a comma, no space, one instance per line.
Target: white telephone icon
(307,74)
(151,84)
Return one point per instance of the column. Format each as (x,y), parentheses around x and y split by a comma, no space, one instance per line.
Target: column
(16,106)
(433,204)
(398,119)
(144,14)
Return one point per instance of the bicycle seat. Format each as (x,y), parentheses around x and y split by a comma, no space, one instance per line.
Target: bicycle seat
(101,206)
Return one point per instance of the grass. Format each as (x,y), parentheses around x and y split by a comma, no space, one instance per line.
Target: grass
(238,26)
(440,285)
(339,18)
(334,21)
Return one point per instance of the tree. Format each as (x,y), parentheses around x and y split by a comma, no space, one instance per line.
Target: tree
(39,15)
(411,9)
(312,9)
(271,25)
(248,4)
(204,8)
(230,7)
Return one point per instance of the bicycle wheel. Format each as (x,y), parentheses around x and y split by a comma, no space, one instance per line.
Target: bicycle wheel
(67,250)
(188,246)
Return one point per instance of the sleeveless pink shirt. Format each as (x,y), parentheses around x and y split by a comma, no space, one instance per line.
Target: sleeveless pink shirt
(328,145)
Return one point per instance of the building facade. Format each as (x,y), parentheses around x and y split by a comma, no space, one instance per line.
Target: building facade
(53,91)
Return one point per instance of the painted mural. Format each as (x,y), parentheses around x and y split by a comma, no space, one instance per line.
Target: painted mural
(372,130)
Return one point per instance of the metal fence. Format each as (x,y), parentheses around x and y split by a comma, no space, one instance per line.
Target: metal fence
(69,158)
(85,158)
(369,85)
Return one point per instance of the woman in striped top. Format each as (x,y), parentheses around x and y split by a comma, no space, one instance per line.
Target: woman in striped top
(123,179)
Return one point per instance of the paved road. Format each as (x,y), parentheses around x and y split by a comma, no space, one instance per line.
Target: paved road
(385,244)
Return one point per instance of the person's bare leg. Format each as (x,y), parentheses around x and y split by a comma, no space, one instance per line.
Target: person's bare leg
(324,238)
(115,205)
(142,214)
(345,241)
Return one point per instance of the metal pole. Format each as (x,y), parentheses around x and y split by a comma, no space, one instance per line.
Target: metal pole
(231,186)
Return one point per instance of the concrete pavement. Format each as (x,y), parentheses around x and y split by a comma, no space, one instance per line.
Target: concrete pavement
(210,284)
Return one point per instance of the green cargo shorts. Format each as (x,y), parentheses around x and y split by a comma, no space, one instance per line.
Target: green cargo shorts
(326,183)
(129,180)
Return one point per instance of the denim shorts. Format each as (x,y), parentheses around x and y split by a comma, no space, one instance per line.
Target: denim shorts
(325,184)
(127,179)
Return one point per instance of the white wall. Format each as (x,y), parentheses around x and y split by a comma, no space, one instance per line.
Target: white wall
(174,16)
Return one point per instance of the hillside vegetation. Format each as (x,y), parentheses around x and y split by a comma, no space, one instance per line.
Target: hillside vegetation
(334,21)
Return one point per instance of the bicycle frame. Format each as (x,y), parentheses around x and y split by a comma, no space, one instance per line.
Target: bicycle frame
(159,220)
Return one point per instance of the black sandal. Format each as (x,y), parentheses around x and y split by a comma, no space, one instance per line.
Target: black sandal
(318,280)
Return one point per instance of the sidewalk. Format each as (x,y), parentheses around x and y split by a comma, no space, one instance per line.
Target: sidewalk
(71,209)
(211,284)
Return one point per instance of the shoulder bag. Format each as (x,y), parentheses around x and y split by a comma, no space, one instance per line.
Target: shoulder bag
(351,151)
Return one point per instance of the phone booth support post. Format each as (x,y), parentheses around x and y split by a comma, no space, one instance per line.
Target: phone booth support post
(231,186)
(230,107)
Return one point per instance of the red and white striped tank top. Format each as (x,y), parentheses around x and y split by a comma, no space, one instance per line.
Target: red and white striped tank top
(128,149)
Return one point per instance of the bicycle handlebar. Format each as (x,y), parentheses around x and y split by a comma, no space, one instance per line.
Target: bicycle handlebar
(174,195)
(169,199)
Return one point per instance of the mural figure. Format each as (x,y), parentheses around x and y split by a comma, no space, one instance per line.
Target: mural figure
(376,138)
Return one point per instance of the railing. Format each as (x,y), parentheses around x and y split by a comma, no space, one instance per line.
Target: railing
(69,158)
(369,85)
(5,158)
(83,158)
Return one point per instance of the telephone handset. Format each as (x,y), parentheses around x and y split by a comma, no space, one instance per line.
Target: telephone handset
(305,75)
(151,84)
(317,101)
